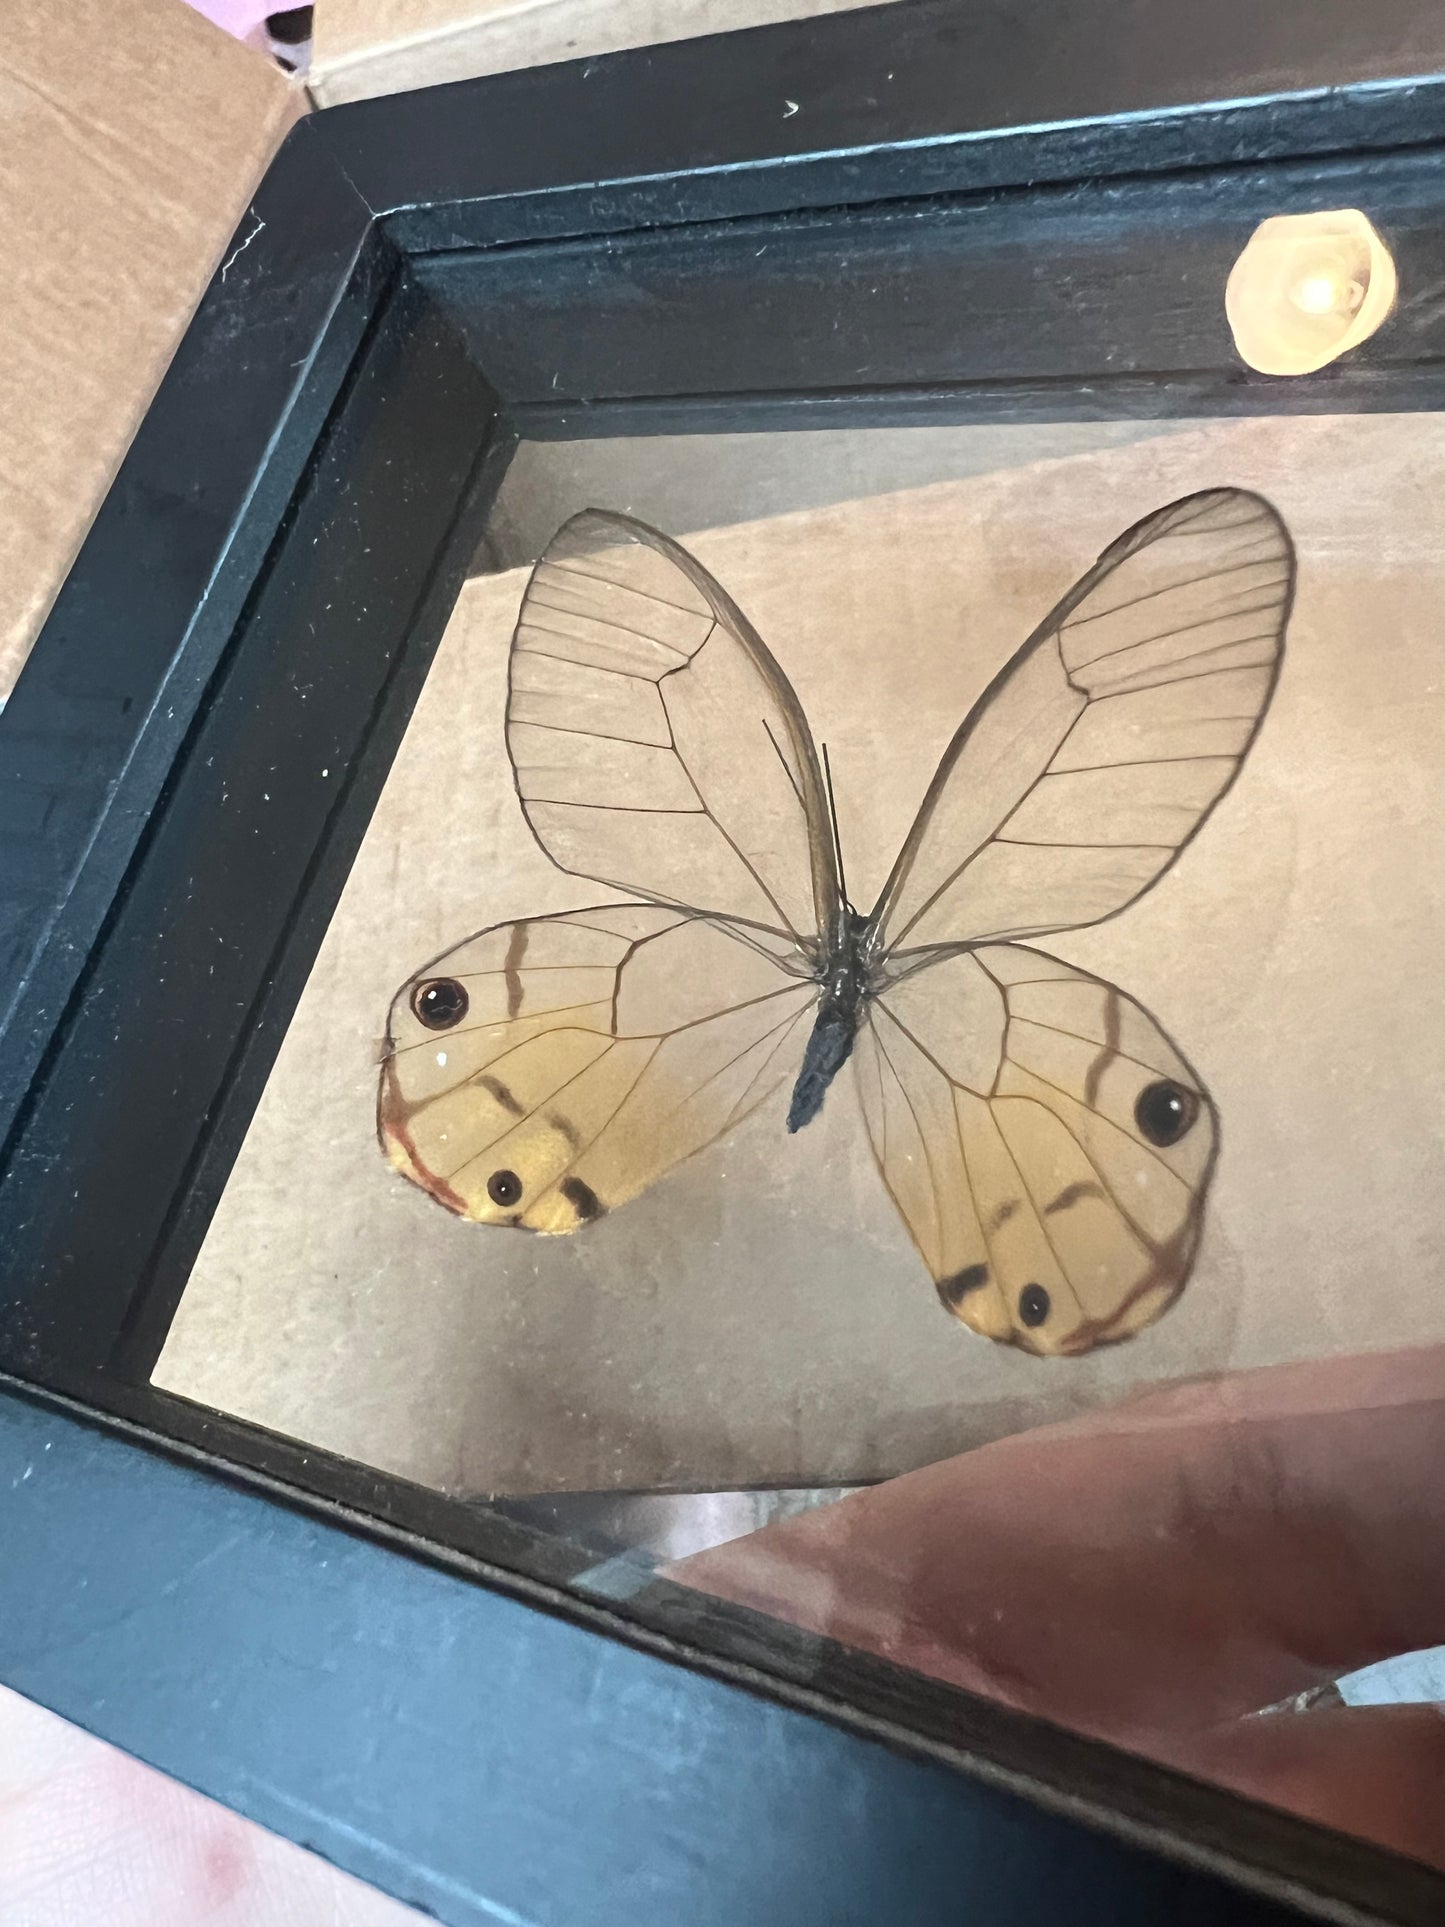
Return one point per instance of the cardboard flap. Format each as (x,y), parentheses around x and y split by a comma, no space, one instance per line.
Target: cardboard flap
(131,147)
(369,47)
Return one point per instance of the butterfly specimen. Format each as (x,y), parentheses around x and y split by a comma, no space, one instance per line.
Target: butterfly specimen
(1047,1146)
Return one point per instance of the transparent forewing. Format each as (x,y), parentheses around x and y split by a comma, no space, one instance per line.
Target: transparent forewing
(658,747)
(1046,1144)
(549,1069)
(1098,752)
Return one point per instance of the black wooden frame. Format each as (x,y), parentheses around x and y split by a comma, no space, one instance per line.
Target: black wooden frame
(899,214)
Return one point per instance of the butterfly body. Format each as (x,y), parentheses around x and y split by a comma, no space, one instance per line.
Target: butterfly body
(1047,1145)
(845,977)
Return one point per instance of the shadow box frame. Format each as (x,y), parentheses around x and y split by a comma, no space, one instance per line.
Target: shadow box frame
(910,213)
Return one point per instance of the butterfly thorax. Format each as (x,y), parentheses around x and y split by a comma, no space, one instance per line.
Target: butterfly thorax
(845,977)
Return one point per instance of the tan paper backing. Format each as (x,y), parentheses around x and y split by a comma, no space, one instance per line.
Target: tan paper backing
(760,1316)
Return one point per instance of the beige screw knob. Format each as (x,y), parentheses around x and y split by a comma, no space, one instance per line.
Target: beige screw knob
(1307,289)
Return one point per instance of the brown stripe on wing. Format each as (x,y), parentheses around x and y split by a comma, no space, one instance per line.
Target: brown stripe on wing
(511,969)
(502,1092)
(1075,1194)
(1172,1263)
(955,1288)
(566,1128)
(583,1199)
(1109,1052)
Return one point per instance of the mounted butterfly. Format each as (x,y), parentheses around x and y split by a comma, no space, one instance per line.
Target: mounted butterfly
(1048,1147)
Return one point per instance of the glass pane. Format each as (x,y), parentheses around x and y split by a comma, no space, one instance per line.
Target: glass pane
(746,1367)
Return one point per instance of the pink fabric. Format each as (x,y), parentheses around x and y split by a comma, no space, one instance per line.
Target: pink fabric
(239,17)
(88,1835)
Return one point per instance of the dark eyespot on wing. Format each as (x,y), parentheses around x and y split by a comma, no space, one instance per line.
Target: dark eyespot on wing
(569,1131)
(582,1198)
(1075,1194)
(504,1187)
(440,1003)
(1165,1111)
(1034,1305)
(955,1289)
(503,1095)
(1005,1211)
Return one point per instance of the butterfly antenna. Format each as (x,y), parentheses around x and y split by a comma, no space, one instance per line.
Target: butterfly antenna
(833,819)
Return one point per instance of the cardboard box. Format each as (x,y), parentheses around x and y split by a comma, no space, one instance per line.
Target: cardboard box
(129,150)
(369,47)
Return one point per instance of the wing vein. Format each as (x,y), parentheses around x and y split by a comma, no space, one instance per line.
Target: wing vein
(922,1137)
(1171,588)
(529,621)
(629,588)
(1185,629)
(590,735)
(574,662)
